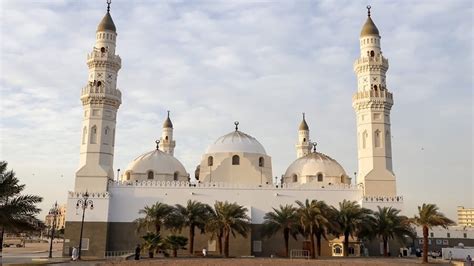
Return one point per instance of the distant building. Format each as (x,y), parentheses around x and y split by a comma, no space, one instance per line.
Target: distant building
(439,237)
(60,219)
(465,216)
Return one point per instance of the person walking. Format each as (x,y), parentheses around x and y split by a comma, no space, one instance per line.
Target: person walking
(75,253)
(204,252)
(137,252)
(468,260)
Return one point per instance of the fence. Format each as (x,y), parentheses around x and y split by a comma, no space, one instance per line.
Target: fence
(116,254)
(299,254)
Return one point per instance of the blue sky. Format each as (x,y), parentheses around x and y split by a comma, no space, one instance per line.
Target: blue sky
(259,62)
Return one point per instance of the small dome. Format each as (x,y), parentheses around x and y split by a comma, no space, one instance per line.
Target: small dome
(369,28)
(167,123)
(158,162)
(304,125)
(314,163)
(236,141)
(106,23)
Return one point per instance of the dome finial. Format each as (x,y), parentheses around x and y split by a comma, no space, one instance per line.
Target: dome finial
(314,146)
(303,115)
(168,113)
(157,144)
(108,5)
(236,123)
(368,10)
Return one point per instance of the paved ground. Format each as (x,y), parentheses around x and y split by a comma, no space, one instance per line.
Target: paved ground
(32,253)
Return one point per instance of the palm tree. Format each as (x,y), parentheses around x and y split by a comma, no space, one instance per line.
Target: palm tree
(153,242)
(156,216)
(175,242)
(388,224)
(284,219)
(311,219)
(17,212)
(215,228)
(325,225)
(233,219)
(429,216)
(193,215)
(350,218)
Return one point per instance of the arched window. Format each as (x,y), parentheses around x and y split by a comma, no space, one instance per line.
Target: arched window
(261,162)
(342,179)
(84,135)
(364,139)
(106,135)
(113,137)
(377,138)
(337,249)
(304,139)
(166,138)
(235,160)
(151,175)
(320,177)
(372,53)
(295,178)
(210,161)
(127,175)
(94,135)
(175,176)
(387,141)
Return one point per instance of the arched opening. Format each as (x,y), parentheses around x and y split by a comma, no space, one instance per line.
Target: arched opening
(175,176)
(113,137)
(377,138)
(166,138)
(337,250)
(235,160)
(364,139)
(261,162)
(375,87)
(94,135)
(151,175)
(387,141)
(84,135)
(304,139)
(372,53)
(99,83)
(102,49)
(320,177)
(127,175)
(342,179)
(295,178)
(210,161)
(106,135)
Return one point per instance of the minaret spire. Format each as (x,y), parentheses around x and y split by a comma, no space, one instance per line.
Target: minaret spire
(368,10)
(167,143)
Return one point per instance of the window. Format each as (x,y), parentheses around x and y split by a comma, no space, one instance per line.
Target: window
(372,53)
(166,138)
(431,234)
(106,137)
(151,175)
(364,139)
(342,179)
(337,249)
(377,139)
(102,49)
(295,178)
(304,139)
(113,137)
(261,162)
(210,161)
(235,160)
(465,235)
(448,235)
(127,175)
(320,177)
(175,176)
(84,135)
(94,135)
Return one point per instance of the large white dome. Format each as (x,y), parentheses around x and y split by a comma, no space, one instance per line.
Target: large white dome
(314,164)
(236,141)
(157,161)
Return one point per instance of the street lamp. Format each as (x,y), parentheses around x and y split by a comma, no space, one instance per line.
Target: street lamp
(54,212)
(83,203)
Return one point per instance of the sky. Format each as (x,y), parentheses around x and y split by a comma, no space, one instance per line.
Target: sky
(261,63)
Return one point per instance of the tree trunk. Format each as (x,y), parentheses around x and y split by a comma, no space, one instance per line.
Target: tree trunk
(226,243)
(425,244)
(346,244)
(191,240)
(219,243)
(175,253)
(157,228)
(311,237)
(286,235)
(318,242)
(385,251)
(1,241)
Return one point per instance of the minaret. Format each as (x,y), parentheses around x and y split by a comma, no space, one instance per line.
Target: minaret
(372,103)
(303,146)
(167,143)
(100,100)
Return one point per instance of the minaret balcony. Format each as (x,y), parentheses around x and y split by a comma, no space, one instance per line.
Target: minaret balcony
(95,91)
(373,96)
(97,55)
(376,60)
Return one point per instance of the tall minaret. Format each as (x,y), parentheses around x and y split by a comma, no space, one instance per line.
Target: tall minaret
(167,143)
(303,146)
(100,100)
(372,103)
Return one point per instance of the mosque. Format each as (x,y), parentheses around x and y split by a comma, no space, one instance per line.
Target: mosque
(235,167)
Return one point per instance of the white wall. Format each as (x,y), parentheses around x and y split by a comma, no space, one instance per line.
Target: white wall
(99,213)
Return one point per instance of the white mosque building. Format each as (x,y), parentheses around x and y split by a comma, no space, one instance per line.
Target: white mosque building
(236,167)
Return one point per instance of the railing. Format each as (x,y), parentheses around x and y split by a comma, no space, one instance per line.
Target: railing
(115,254)
(375,59)
(372,94)
(299,254)
(96,195)
(91,89)
(213,185)
(383,199)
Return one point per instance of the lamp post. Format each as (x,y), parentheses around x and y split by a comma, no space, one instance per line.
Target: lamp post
(54,212)
(83,203)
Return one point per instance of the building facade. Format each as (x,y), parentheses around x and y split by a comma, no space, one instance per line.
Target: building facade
(60,219)
(236,167)
(465,216)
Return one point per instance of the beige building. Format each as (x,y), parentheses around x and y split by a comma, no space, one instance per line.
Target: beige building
(465,216)
(60,218)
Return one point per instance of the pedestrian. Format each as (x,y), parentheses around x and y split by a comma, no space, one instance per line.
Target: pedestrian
(204,252)
(75,254)
(468,260)
(137,252)
(450,256)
